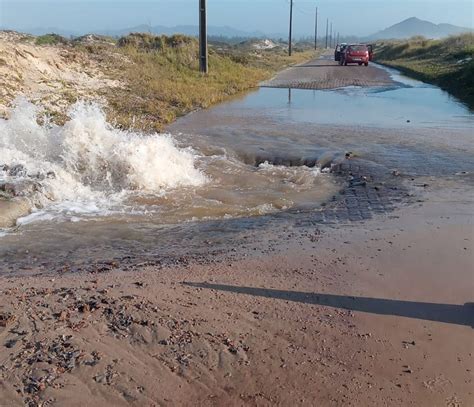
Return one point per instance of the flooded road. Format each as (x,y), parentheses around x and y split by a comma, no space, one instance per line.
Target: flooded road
(391,125)
(223,173)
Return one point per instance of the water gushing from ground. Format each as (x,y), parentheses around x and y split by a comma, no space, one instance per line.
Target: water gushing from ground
(87,168)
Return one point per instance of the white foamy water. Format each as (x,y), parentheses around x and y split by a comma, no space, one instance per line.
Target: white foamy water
(87,166)
(87,169)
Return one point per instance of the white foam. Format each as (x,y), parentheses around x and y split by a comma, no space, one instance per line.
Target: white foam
(300,175)
(92,166)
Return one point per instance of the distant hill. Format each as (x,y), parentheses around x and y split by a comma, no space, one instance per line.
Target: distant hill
(414,26)
(44,30)
(213,31)
(405,29)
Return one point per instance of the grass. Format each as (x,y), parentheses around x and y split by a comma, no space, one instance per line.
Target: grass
(50,39)
(163,80)
(447,63)
(159,75)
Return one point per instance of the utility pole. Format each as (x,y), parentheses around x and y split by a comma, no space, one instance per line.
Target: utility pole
(203,52)
(327,28)
(316,30)
(338,37)
(330,37)
(291,28)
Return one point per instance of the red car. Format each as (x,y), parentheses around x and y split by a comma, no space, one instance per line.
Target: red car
(355,54)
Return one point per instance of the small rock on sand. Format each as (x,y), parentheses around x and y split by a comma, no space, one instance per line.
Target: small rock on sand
(12,209)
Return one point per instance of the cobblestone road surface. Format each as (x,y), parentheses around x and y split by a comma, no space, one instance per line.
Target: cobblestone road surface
(325,73)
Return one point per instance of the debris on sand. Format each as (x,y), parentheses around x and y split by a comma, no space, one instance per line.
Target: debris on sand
(6,318)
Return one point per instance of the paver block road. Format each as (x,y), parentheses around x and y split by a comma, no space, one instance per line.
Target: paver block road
(325,73)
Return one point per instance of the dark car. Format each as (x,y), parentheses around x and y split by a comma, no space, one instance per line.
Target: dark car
(339,51)
(355,54)
(370,47)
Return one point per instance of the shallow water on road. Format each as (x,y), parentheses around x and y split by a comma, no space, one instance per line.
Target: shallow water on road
(394,107)
(409,124)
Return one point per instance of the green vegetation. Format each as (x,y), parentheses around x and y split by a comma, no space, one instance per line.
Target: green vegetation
(163,80)
(50,39)
(149,42)
(155,79)
(447,63)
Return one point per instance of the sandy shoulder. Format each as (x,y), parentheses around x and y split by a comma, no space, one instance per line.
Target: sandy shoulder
(371,314)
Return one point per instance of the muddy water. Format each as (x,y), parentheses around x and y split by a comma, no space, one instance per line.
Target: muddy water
(222,174)
(87,169)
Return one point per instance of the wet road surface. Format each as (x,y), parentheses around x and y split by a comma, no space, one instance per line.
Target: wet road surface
(325,73)
(382,145)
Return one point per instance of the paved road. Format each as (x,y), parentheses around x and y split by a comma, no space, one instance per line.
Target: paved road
(325,73)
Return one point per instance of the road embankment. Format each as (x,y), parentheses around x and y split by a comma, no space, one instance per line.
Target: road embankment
(447,63)
(144,81)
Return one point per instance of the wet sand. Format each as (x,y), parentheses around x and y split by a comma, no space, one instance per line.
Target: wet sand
(365,314)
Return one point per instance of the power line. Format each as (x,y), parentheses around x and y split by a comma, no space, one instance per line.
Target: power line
(298,9)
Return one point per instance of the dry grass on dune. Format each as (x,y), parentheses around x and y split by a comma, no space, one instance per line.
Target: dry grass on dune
(144,81)
(164,82)
(446,62)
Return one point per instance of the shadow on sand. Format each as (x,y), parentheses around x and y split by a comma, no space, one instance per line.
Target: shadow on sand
(448,313)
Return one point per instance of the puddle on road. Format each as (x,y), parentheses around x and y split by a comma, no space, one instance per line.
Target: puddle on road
(411,125)
(406,104)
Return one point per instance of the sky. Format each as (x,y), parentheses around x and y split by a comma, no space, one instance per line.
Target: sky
(350,17)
